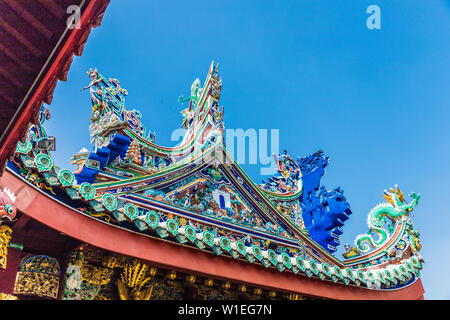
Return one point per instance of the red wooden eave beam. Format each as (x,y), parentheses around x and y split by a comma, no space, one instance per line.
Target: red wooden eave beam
(70,47)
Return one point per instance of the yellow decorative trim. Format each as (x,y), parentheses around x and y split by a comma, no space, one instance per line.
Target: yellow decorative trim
(115,261)
(5,237)
(295,296)
(5,296)
(134,282)
(134,274)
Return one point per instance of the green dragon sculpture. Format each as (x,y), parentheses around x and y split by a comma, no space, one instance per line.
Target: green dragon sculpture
(195,93)
(394,209)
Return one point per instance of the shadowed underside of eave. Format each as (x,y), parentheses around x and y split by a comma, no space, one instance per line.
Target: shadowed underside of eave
(34,41)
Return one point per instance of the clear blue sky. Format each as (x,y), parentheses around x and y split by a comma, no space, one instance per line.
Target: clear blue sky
(376,101)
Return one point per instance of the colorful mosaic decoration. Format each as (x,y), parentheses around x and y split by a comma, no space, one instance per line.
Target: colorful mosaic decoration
(196,195)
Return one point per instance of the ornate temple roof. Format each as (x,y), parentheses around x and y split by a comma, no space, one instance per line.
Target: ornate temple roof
(196,195)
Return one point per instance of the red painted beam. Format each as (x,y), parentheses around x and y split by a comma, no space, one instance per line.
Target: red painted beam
(8,275)
(39,206)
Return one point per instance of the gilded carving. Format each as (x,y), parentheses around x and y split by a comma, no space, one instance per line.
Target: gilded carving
(164,289)
(137,293)
(39,284)
(85,280)
(115,261)
(295,296)
(5,237)
(5,296)
(134,282)
(125,278)
(96,275)
(90,253)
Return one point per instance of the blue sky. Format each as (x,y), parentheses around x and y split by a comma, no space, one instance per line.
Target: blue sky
(376,101)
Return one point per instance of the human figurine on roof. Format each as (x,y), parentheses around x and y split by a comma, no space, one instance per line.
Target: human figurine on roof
(95,79)
(217,113)
(350,251)
(215,73)
(188,114)
(195,93)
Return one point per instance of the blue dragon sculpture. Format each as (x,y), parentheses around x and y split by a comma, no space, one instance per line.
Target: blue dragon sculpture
(324,211)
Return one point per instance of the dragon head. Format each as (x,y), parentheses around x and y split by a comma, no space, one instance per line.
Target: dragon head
(397,200)
(7,209)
